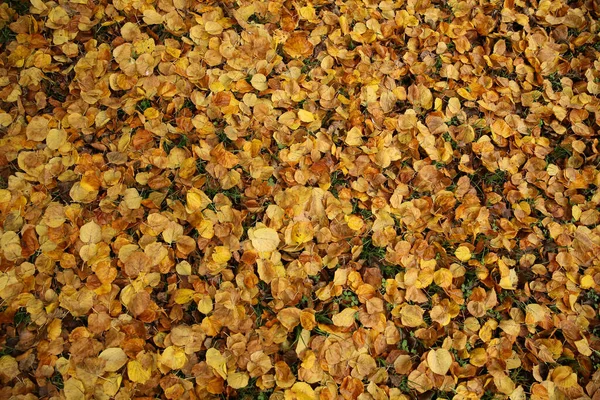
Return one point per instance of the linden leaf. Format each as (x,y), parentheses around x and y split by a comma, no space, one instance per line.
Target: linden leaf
(306,116)
(238,380)
(264,239)
(217,362)
(213,28)
(137,373)
(439,361)
(298,45)
(90,233)
(9,368)
(301,391)
(173,357)
(564,377)
(345,318)
(151,17)
(259,82)
(463,253)
(74,389)
(37,129)
(184,296)
(411,316)
(114,357)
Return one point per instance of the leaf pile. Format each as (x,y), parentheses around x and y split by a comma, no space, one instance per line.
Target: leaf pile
(299,200)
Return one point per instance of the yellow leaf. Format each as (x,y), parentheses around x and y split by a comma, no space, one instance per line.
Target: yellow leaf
(443,277)
(454,105)
(205,305)
(302,232)
(90,233)
(535,313)
(411,316)
(132,199)
(300,391)
(354,137)
(213,28)
(306,116)
(518,394)
(439,361)
(463,92)
(289,317)
(173,357)
(345,318)
(503,383)
(54,329)
(259,82)
(501,128)
(5,119)
(298,45)
(74,389)
(237,380)
(151,17)
(508,278)
(56,138)
(264,239)
(184,296)
(37,129)
(354,222)
(114,357)
(564,377)
(216,361)
(184,268)
(583,347)
(9,367)
(137,373)
(587,282)
(221,254)
(463,253)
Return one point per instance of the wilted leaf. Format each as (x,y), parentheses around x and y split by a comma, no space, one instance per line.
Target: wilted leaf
(115,358)
(264,239)
(439,361)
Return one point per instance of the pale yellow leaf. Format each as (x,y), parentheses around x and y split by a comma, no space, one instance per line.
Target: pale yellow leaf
(264,239)
(439,361)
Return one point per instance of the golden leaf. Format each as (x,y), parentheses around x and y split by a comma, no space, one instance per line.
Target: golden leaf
(264,239)
(439,361)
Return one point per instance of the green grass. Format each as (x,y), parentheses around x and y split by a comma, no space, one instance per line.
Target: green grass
(363,212)
(253,392)
(555,81)
(370,252)
(321,332)
(21,7)
(234,194)
(257,19)
(6,36)
(181,142)
(57,381)
(403,345)
(438,64)
(223,137)
(453,121)
(559,153)
(6,351)
(390,271)
(403,386)
(259,309)
(348,299)
(22,317)
(496,178)
(449,139)
(309,64)
(143,105)
(323,318)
